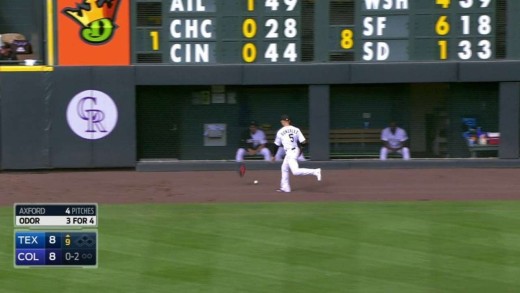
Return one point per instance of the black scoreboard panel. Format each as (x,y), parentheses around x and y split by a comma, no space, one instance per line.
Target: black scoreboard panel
(284,31)
(216,31)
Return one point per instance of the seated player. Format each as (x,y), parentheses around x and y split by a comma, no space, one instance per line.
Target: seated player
(394,141)
(253,142)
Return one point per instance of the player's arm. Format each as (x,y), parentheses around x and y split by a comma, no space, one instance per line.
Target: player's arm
(302,146)
(245,140)
(404,140)
(387,145)
(262,141)
(404,143)
(273,147)
(253,150)
(302,142)
(385,142)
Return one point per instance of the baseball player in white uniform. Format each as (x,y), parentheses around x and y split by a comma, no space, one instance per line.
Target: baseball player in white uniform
(291,139)
(253,143)
(394,139)
(280,154)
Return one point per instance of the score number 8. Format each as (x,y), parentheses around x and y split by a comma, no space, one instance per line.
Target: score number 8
(347,39)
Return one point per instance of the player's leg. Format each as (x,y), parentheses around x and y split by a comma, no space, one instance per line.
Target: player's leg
(239,157)
(284,182)
(383,154)
(266,153)
(297,171)
(406,153)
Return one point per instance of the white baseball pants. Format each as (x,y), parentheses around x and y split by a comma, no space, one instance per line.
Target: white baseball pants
(290,163)
(241,152)
(405,152)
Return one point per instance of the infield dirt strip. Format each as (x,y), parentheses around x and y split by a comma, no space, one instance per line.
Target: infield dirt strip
(227,186)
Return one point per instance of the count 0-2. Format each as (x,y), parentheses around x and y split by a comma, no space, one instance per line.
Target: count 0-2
(72,256)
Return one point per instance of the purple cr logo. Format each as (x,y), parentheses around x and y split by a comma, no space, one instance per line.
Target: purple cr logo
(92,114)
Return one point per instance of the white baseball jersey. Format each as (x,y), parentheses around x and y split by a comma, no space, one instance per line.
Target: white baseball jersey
(257,138)
(394,139)
(288,137)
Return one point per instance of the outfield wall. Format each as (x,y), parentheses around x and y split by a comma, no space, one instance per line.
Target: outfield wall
(36,131)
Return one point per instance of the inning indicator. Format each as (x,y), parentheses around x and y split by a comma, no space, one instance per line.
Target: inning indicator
(56,215)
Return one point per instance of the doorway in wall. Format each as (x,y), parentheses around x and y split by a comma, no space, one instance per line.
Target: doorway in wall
(429,120)
(158,123)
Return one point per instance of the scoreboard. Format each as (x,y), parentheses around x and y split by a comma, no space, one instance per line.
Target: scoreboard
(216,31)
(55,235)
(425,30)
(194,32)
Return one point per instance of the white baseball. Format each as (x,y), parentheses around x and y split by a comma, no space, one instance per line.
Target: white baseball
(255,182)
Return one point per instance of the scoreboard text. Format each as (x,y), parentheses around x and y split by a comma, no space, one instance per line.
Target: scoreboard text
(213,31)
(281,31)
(71,248)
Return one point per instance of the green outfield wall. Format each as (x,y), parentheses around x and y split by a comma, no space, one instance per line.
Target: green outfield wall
(61,117)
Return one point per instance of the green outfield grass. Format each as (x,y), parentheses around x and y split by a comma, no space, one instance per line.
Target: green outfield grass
(290,247)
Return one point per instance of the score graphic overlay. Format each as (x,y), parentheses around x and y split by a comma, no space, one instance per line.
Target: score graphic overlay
(70,248)
(81,215)
(53,235)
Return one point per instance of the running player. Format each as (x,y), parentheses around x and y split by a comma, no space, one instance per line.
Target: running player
(291,139)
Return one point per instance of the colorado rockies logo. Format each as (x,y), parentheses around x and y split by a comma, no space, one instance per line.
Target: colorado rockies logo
(92,114)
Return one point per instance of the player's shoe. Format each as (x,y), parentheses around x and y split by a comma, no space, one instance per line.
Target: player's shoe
(318,174)
(242,170)
(281,190)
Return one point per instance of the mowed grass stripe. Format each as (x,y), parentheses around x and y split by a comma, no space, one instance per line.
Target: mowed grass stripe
(292,247)
(307,225)
(265,269)
(397,236)
(239,251)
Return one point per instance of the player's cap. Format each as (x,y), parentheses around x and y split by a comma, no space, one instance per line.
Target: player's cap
(285,117)
(253,123)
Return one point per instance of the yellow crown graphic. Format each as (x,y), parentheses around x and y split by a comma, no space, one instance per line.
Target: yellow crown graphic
(92,10)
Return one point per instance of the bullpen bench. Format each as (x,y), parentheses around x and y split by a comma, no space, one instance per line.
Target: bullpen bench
(477,148)
(491,143)
(366,141)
